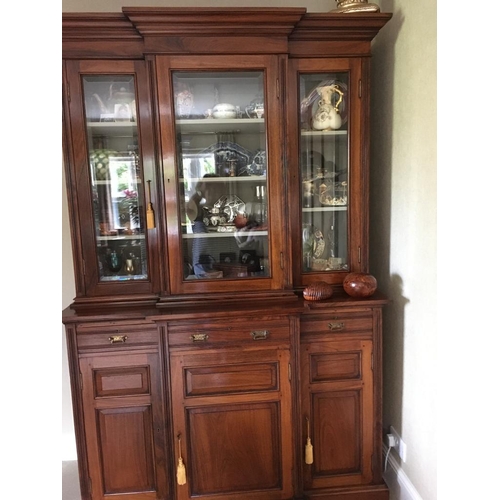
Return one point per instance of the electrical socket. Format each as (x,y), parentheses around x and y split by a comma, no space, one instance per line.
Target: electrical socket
(399,445)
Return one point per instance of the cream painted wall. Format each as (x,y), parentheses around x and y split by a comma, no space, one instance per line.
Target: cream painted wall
(403,227)
(403,218)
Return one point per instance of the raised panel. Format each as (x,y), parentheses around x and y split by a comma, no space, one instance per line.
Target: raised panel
(335,366)
(125,381)
(337,432)
(234,448)
(231,379)
(126,449)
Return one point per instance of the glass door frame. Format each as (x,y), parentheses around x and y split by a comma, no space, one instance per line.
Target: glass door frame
(269,65)
(358,154)
(88,283)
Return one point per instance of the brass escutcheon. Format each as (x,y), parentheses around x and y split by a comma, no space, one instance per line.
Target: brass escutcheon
(116,339)
(336,326)
(259,334)
(199,337)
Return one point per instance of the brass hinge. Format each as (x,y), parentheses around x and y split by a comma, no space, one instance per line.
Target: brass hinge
(360,87)
(290,372)
(277,88)
(90,486)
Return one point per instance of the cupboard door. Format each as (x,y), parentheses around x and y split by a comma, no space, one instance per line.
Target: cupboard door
(123,426)
(112,176)
(221,137)
(232,423)
(337,407)
(328,152)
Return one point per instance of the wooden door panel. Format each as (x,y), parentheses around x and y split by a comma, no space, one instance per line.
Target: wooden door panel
(337,433)
(232,416)
(234,448)
(121,381)
(126,448)
(337,398)
(124,434)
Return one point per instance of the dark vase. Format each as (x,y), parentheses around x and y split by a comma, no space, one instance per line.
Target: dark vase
(360,285)
(114,261)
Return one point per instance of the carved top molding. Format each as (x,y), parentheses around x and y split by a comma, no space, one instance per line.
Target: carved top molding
(210,21)
(294,24)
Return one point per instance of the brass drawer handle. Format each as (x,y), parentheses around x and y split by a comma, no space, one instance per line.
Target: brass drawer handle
(336,326)
(260,334)
(199,337)
(116,339)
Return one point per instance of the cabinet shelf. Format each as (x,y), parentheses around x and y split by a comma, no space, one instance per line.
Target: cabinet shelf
(320,133)
(114,129)
(193,236)
(215,125)
(243,178)
(333,208)
(122,237)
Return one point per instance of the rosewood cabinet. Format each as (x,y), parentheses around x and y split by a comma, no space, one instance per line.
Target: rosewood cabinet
(217,164)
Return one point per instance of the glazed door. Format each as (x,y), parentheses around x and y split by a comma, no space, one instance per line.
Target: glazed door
(328,157)
(112,176)
(123,417)
(221,136)
(337,412)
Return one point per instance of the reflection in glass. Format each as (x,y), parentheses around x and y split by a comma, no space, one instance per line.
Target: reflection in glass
(117,192)
(324,169)
(222,161)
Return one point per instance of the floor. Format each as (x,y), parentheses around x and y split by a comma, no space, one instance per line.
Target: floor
(70,484)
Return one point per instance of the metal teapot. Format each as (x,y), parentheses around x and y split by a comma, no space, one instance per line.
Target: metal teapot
(256,108)
(119,106)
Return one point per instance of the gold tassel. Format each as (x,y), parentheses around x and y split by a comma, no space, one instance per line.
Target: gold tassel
(309,448)
(181,472)
(150,214)
(181,469)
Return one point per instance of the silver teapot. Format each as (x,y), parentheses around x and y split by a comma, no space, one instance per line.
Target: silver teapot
(256,108)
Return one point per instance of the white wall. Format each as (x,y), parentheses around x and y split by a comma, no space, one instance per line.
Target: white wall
(403,218)
(403,227)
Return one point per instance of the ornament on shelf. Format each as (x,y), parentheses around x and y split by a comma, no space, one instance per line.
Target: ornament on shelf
(360,285)
(320,290)
(356,6)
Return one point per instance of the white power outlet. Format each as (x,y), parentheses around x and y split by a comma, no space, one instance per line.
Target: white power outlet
(400,445)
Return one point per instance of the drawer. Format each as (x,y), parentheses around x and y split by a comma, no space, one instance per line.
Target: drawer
(209,334)
(114,337)
(337,323)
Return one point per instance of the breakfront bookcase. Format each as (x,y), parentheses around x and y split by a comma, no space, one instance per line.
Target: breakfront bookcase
(217,164)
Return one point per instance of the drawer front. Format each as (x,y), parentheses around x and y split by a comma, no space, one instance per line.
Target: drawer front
(116,337)
(210,334)
(337,323)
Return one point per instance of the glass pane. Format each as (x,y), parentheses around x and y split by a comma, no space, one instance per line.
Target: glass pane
(117,190)
(324,168)
(221,140)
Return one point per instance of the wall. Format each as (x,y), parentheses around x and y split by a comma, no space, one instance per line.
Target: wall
(403,219)
(403,228)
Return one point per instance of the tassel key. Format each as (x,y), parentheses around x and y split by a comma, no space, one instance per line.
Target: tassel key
(181,469)
(309,458)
